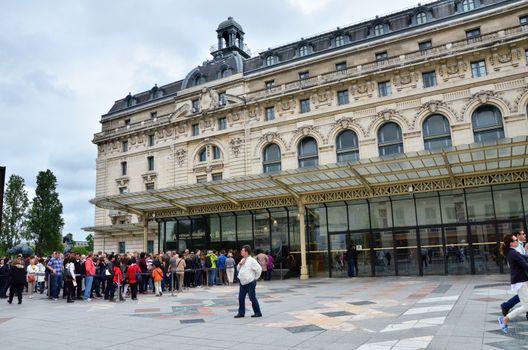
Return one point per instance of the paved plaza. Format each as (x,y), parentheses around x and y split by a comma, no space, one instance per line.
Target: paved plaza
(437,312)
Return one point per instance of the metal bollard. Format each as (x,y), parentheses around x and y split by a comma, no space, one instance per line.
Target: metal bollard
(49,286)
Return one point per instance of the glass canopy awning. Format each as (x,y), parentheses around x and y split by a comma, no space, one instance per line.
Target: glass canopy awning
(479,164)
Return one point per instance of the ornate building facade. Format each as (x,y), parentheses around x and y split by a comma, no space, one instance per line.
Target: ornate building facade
(403,136)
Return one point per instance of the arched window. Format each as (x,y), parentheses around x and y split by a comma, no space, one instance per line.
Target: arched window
(216,153)
(307,151)
(487,124)
(390,140)
(303,51)
(271,60)
(202,156)
(436,132)
(347,146)
(468,5)
(227,72)
(421,18)
(379,29)
(271,158)
(339,40)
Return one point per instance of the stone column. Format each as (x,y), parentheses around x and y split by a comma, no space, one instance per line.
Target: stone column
(302,231)
(145,233)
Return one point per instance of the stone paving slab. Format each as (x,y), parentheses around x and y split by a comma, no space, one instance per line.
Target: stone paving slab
(389,313)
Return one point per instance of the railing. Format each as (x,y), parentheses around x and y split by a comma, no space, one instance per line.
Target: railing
(131,127)
(398,61)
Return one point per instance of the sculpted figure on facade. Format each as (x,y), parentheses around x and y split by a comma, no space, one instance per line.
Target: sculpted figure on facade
(180,156)
(235,144)
(208,99)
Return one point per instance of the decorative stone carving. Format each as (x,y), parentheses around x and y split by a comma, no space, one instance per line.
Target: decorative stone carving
(322,98)
(208,99)
(122,181)
(400,80)
(182,111)
(287,106)
(307,130)
(235,145)
(101,148)
(270,137)
(149,177)
(516,103)
(505,57)
(361,89)
(452,69)
(182,128)
(180,155)
(255,112)
(434,106)
(387,115)
(347,123)
(486,96)
(233,117)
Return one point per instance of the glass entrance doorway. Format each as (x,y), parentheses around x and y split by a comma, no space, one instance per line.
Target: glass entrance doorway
(359,246)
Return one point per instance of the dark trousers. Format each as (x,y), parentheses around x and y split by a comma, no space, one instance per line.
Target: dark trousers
(351,268)
(512,302)
(16,289)
(198,274)
(69,289)
(188,279)
(267,277)
(134,290)
(248,289)
(79,287)
(3,287)
(109,287)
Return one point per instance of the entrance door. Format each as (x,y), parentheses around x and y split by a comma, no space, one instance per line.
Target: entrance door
(406,249)
(383,251)
(485,247)
(339,243)
(457,250)
(432,251)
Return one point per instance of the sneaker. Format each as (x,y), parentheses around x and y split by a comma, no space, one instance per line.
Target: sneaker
(502,325)
(88,299)
(504,310)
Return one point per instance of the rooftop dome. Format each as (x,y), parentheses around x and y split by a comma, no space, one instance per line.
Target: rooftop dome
(230,22)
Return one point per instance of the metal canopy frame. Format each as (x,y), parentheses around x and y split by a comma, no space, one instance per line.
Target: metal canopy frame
(479,164)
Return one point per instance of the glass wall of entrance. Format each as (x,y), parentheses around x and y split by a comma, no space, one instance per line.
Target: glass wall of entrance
(449,232)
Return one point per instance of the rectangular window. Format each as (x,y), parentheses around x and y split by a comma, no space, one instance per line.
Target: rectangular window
(151,140)
(478,69)
(127,122)
(125,146)
(270,113)
(149,186)
(222,99)
(217,177)
(195,106)
(425,46)
(201,179)
(153,115)
(122,249)
(123,190)
(473,35)
(304,75)
(150,163)
(123,168)
(526,56)
(523,20)
(384,88)
(270,84)
(195,129)
(341,66)
(222,123)
(150,246)
(429,79)
(382,56)
(342,97)
(305,105)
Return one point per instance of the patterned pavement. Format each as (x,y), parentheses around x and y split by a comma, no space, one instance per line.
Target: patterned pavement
(389,313)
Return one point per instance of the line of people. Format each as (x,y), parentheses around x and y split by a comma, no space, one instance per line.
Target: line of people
(117,276)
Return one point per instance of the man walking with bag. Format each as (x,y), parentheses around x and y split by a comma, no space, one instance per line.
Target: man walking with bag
(249,271)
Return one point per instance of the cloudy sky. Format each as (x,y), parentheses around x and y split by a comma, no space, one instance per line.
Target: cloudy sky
(64,63)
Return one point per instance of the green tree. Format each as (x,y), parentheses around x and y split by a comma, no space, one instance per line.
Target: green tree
(14,213)
(90,241)
(45,215)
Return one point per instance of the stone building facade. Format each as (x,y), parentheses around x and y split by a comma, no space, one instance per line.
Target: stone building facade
(436,77)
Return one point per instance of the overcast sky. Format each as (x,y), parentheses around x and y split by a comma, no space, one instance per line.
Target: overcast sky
(64,63)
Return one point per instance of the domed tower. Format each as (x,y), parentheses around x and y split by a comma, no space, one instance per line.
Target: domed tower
(230,38)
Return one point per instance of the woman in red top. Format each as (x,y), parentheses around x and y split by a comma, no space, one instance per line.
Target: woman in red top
(132,277)
(118,281)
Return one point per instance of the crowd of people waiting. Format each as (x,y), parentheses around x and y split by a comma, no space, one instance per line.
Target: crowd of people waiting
(119,276)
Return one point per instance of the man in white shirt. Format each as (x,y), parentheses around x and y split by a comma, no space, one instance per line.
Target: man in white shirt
(249,271)
(506,306)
